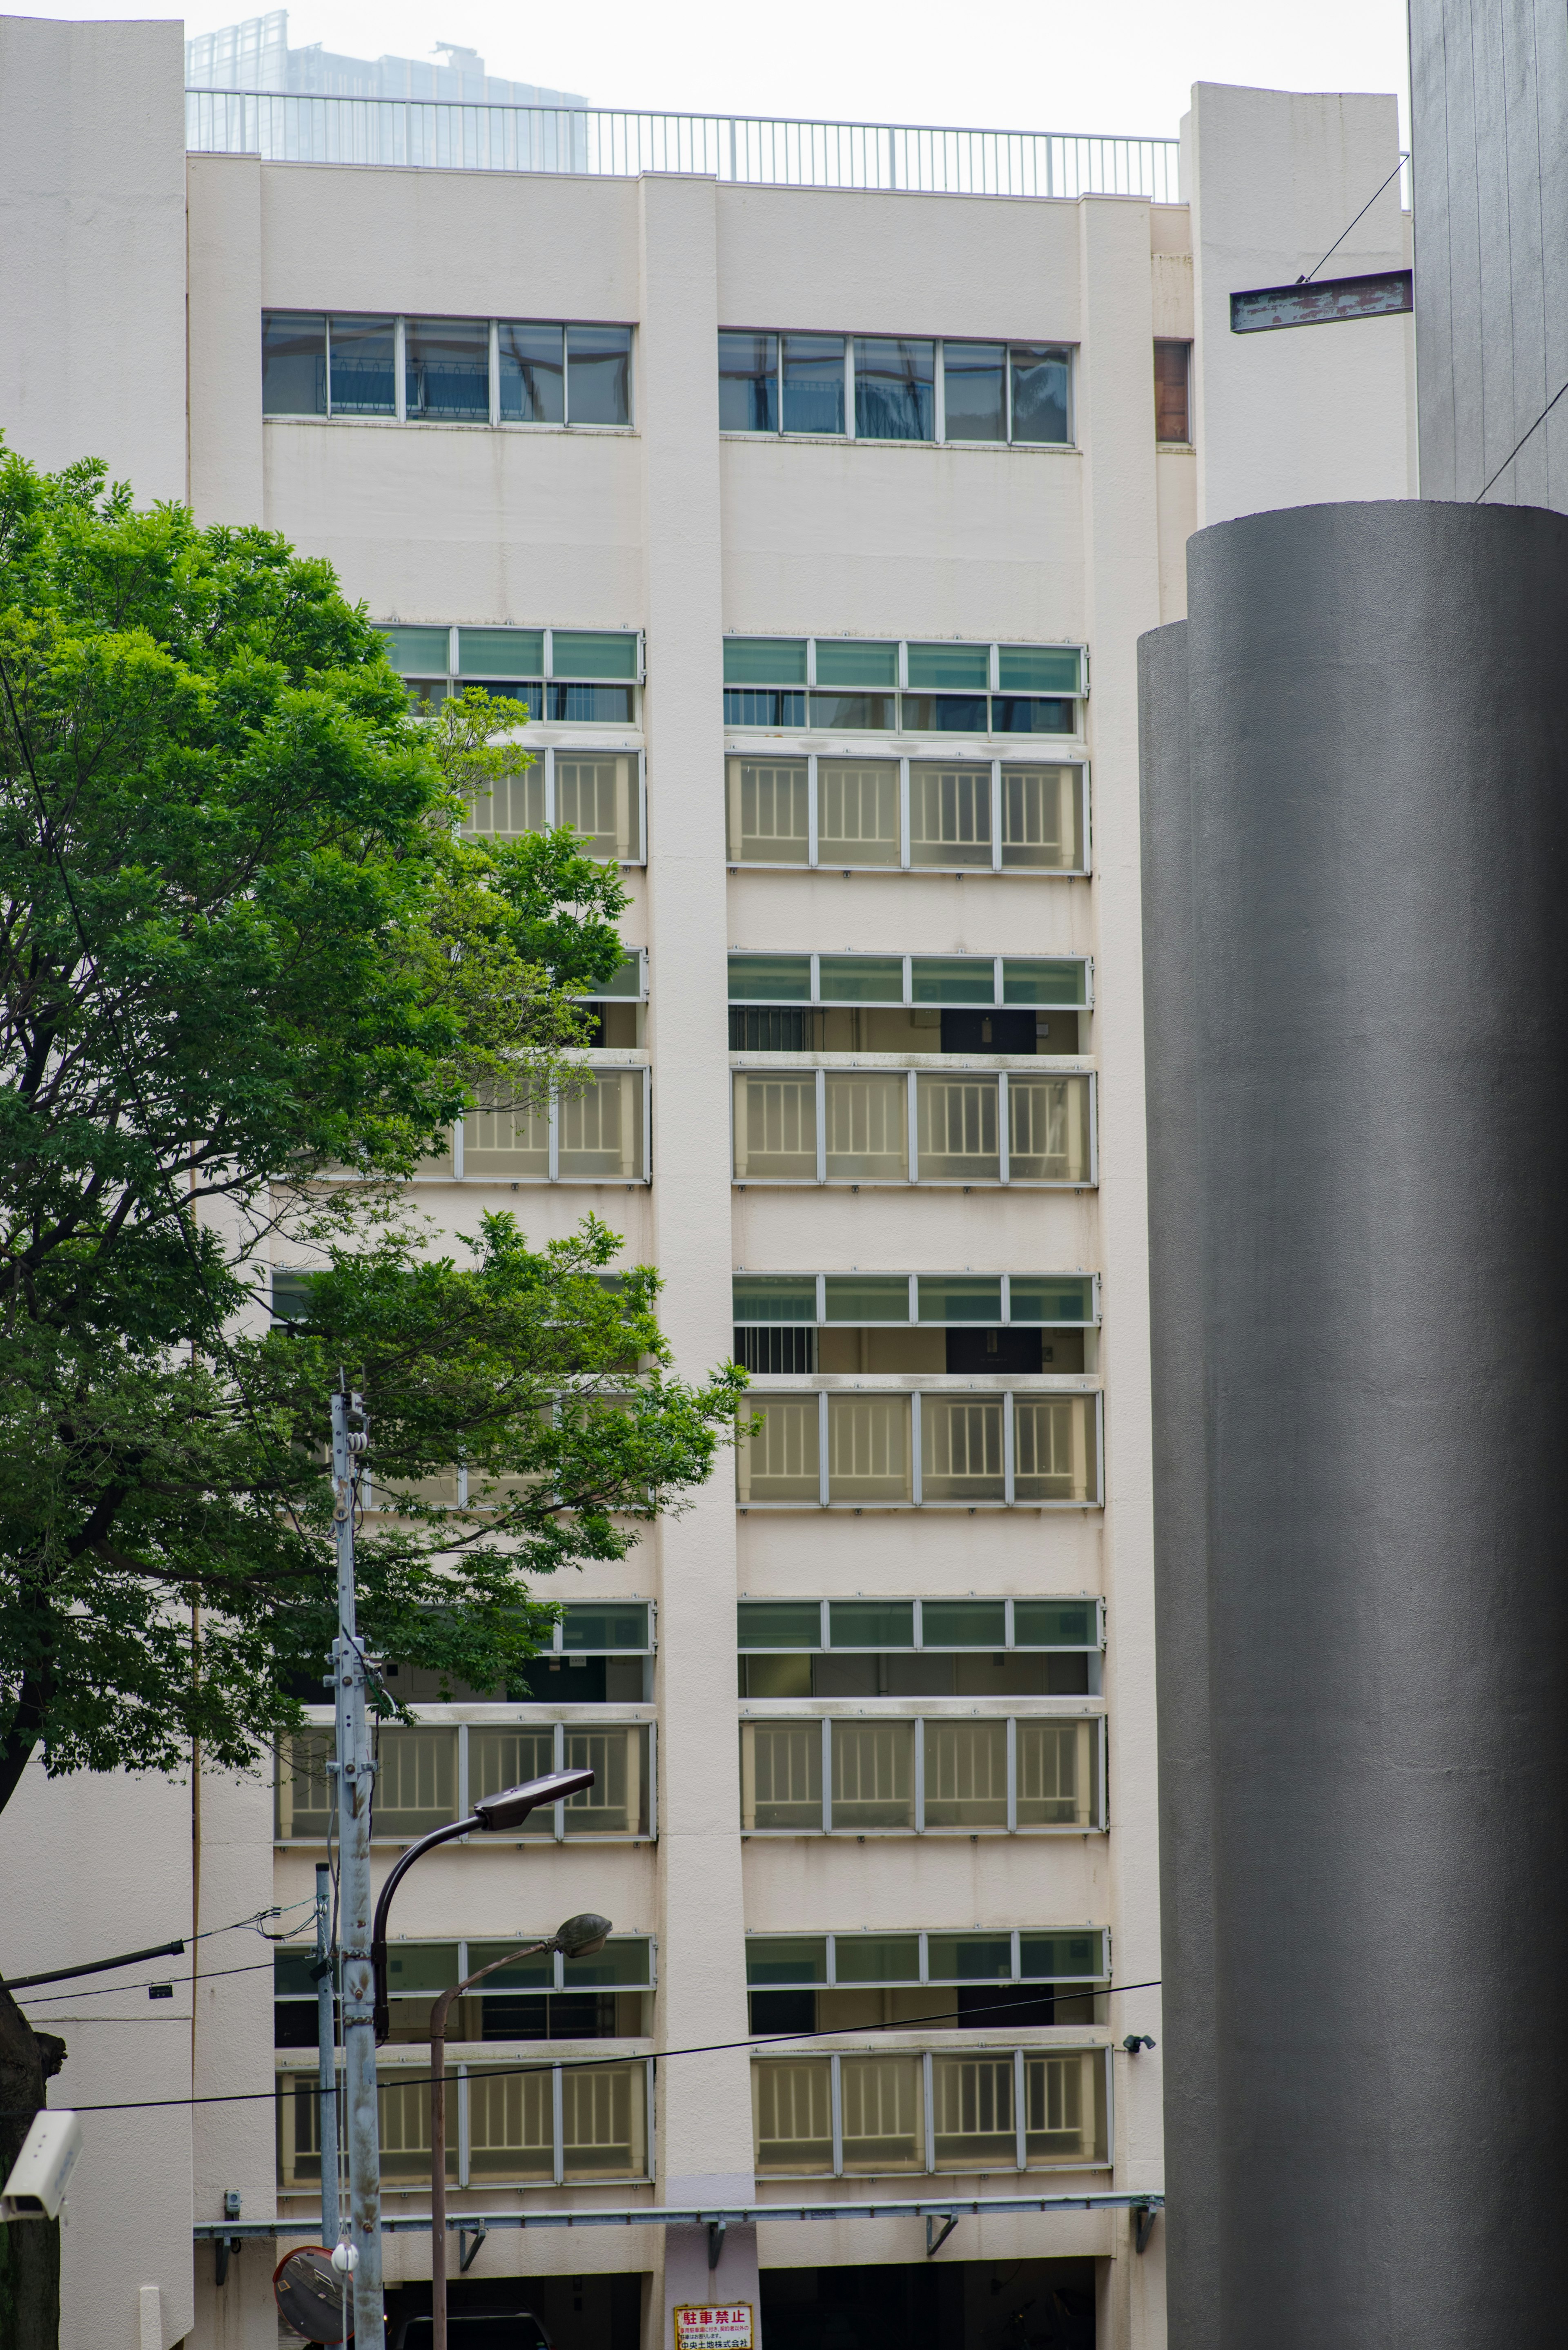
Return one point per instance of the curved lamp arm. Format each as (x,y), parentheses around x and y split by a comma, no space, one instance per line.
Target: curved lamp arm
(507,1810)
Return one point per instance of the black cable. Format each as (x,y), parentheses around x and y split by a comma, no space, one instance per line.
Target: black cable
(108,1990)
(1520,443)
(97,1967)
(1344,233)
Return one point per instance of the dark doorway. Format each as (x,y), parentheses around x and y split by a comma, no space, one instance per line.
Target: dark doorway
(578,2313)
(940,2304)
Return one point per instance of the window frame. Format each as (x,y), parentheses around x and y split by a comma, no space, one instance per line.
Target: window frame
(938,439)
(494,421)
(908,1000)
(927,2059)
(562,1722)
(825,1712)
(1067,1071)
(1099,1979)
(1004,1391)
(788,748)
(822,1322)
(828,1646)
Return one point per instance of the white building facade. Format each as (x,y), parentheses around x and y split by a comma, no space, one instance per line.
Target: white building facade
(818,525)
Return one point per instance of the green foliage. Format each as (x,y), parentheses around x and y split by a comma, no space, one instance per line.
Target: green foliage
(244,941)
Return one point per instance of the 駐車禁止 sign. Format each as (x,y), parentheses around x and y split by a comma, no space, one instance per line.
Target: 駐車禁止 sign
(724,2325)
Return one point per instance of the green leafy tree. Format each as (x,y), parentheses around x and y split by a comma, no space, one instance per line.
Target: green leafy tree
(252,968)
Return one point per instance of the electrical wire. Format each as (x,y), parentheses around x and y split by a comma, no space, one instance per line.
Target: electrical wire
(1518,444)
(1366,208)
(173,1949)
(113,1991)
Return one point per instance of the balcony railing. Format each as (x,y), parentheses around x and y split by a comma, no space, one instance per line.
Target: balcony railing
(540,2126)
(921,1451)
(605,142)
(843,1775)
(991,2109)
(428,1777)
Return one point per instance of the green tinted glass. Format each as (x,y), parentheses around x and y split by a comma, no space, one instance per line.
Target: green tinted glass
(418,652)
(779,1624)
(1051,1297)
(621,1964)
(774,1297)
(291,1976)
(854,1298)
(770,979)
(626,984)
(536,1973)
(1035,982)
(1061,1958)
(765,661)
(954,669)
(1039,669)
(845,661)
(427,1966)
(593,653)
(968,1958)
(877,1957)
(960,1297)
(786,1958)
(291,1296)
(963,1624)
(952,979)
(871,1622)
(500,652)
(616,1630)
(860,978)
(1055,1624)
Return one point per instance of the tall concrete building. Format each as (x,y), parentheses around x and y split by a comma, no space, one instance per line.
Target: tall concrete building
(818,523)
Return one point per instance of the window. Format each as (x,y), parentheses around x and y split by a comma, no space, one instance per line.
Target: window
(1172,375)
(895,388)
(902,1648)
(998,2109)
(564,676)
(445,370)
(595,1133)
(858,1126)
(540,1997)
(855,685)
(861,1449)
(918,1003)
(1003,1981)
(538,2126)
(429,1775)
(833,1775)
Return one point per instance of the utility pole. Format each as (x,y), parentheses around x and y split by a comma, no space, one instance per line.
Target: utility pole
(356,1782)
(325,2038)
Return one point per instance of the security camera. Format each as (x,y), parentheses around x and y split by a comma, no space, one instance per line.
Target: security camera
(37,2186)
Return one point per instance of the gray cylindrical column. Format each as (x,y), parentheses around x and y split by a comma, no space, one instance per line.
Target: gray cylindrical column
(1357,892)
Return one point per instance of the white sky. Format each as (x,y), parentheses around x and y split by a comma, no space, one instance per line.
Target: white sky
(1038,65)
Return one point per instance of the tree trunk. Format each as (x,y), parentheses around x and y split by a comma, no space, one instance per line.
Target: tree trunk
(30,2249)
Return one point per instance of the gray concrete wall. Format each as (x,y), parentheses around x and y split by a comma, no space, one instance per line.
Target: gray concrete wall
(1355,839)
(1488,88)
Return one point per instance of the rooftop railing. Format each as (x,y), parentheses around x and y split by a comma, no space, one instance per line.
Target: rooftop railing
(749,149)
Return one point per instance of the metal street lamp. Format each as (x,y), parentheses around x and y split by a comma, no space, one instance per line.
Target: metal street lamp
(579,1937)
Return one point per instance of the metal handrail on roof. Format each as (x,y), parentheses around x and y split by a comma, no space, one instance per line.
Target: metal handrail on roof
(755,150)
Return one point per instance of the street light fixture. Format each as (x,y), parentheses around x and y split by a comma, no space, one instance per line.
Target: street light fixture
(579,1937)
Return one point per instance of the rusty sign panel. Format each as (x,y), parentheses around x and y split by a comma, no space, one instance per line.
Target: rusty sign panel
(1380,296)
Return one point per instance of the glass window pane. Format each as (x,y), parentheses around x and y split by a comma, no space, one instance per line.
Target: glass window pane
(446,369)
(751,705)
(868,1449)
(765,661)
(499,1759)
(858,812)
(1039,392)
(622,1964)
(1047,1129)
(514,1141)
(792,2113)
(1055,1624)
(968,1958)
(960,1297)
(604,2121)
(590,705)
(779,1462)
(966,1774)
(425,1969)
(1075,1956)
(767,807)
(748,383)
(304,1797)
(787,1623)
(601,1128)
(957,1129)
(1171,369)
(973,394)
(594,653)
(536,1973)
(403,2113)
(867,1125)
(512,805)
(853,661)
(973,2117)
(500,653)
(511,2126)
(950,815)
(944,713)
(625,987)
(1039,669)
(960,1449)
(598,375)
(1064,2108)
(873,1783)
(418,653)
(814,383)
(776,1126)
(955,669)
(786,1958)
(860,978)
(952,979)
(606,1628)
(597,796)
(532,385)
(871,1622)
(1055,1452)
(854,713)
(895,388)
(963,1624)
(1015,714)
(1058,1774)
(764,1297)
(770,979)
(294,364)
(883,2109)
(416,1782)
(856,1297)
(617,1802)
(781,1776)
(1040,818)
(877,1957)
(1066,1297)
(1035,981)
(363,382)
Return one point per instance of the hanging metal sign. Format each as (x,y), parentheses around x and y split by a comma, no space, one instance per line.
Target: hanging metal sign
(1383,294)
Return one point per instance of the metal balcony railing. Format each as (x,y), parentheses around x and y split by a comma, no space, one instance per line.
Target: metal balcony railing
(606,143)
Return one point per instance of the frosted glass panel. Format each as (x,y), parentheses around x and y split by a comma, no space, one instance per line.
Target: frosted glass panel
(780,1461)
(767,804)
(867,1128)
(776,1126)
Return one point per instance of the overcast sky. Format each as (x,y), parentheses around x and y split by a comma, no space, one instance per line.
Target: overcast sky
(1036,65)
